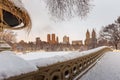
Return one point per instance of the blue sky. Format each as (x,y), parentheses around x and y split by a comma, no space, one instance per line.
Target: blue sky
(104,12)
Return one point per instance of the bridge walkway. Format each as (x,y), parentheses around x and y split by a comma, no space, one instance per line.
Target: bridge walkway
(107,68)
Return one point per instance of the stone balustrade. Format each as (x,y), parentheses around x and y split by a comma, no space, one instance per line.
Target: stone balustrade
(67,70)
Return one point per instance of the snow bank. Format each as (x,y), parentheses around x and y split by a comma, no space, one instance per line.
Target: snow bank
(12,65)
(108,68)
(41,62)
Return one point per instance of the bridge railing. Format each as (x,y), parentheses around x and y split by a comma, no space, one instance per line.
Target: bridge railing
(66,70)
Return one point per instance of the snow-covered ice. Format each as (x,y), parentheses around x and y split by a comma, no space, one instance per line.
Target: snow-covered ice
(108,68)
(12,65)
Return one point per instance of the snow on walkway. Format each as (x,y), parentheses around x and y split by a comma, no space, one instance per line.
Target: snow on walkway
(108,68)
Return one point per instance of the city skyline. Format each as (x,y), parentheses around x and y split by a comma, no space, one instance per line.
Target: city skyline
(74,28)
(53,44)
(54,38)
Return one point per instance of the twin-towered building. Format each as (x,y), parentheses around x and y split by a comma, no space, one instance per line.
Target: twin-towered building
(91,40)
(52,39)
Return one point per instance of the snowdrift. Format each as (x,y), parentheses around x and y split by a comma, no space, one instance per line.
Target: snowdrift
(12,65)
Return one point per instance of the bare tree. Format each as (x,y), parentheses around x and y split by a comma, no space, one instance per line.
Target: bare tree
(118,20)
(67,8)
(8,36)
(111,33)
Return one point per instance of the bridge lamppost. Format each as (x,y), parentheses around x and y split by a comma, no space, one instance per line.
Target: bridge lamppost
(13,16)
(1,19)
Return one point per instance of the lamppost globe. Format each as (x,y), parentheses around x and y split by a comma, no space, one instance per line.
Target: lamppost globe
(13,15)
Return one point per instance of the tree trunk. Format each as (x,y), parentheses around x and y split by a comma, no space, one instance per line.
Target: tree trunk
(116,46)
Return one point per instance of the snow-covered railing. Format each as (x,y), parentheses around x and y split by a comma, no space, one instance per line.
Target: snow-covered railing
(68,69)
(11,65)
(62,68)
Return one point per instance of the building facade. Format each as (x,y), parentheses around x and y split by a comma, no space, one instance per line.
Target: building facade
(91,41)
(77,42)
(66,40)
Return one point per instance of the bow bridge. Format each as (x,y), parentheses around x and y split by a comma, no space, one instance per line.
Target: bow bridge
(71,69)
